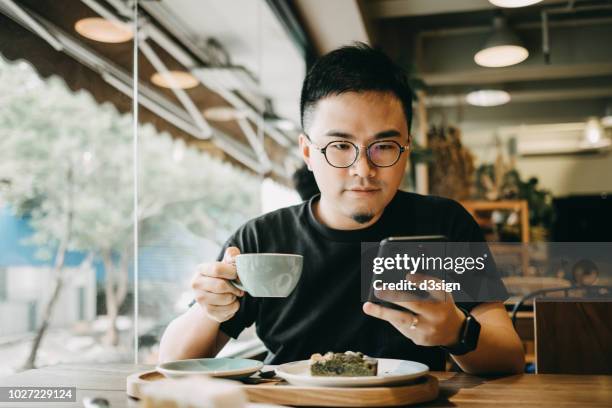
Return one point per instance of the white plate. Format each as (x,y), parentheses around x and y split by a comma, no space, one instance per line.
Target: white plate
(390,371)
(213,367)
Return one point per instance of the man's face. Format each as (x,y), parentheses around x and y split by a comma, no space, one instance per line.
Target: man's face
(357,195)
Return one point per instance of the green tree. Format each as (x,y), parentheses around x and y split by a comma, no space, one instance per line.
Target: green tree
(66,162)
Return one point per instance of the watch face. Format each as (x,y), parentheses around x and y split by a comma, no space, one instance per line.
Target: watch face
(471,333)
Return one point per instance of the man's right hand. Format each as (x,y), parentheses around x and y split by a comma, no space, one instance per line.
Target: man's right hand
(215,295)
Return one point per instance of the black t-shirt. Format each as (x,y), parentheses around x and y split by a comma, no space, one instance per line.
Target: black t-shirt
(324,312)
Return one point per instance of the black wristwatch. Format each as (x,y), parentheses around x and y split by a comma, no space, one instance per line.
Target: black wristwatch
(468,336)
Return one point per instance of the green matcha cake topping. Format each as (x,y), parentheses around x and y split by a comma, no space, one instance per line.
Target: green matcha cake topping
(347,364)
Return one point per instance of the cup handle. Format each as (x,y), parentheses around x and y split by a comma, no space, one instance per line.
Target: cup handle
(237,285)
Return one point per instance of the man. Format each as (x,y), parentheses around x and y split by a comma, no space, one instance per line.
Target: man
(356,113)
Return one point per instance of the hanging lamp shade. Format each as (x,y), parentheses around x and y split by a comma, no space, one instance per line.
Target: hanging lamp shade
(502,49)
(513,3)
(103,30)
(488,97)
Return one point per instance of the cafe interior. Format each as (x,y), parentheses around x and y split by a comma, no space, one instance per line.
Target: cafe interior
(512,118)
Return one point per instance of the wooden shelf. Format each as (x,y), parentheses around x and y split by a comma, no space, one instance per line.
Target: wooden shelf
(482,210)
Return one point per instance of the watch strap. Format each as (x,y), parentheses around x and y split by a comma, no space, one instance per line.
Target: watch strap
(468,336)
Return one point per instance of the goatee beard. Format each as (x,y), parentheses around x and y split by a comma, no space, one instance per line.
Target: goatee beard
(362,218)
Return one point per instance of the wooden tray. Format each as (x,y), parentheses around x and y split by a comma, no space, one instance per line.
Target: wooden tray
(279,392)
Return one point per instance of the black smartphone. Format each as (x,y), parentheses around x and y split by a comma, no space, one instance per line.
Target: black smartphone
(391,246)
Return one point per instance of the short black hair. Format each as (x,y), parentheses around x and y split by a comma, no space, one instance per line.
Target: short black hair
(354,68)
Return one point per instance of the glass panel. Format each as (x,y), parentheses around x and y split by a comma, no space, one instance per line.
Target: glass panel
(3,285)
(218,161)
(66,189)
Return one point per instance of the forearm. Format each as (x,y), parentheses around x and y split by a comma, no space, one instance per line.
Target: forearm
(499,350)
(191,335)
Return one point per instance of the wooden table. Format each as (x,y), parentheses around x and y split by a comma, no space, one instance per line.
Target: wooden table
(456,389)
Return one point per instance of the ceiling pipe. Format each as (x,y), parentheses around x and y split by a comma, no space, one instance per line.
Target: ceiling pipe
(104,12)
(180,122)
(574,22)
(17,13)
(255,142)
(181,95)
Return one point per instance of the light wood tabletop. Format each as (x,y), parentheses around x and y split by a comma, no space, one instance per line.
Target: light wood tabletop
(456,389)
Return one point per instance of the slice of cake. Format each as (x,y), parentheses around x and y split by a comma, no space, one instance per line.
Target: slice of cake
(348,364)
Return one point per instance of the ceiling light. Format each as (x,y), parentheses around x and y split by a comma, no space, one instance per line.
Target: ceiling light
(223,113)
(593,131)
(174,79)
(488,97)
(513,3)
(103,30)
(502,49)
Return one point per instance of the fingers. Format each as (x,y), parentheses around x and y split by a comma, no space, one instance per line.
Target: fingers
(230,254)
(395,317)
(208,299)
(220,299)
(391,295)
(212,287)
(218,306)
(215,285)
(406,323)
(218,270)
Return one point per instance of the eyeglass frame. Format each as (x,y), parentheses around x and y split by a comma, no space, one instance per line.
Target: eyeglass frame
(358,148)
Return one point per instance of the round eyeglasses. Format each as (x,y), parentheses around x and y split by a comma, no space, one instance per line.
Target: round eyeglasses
(343,154)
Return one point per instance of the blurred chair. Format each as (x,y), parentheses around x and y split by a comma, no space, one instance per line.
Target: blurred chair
(572,325)
(584,275)
(573,337)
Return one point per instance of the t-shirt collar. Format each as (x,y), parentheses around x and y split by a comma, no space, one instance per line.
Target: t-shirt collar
(372,233)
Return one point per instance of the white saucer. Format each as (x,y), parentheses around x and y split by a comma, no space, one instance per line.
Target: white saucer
(214,367)
(390,372)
